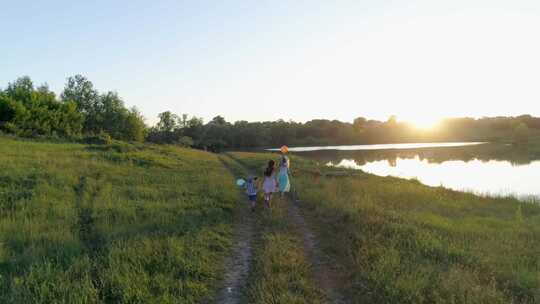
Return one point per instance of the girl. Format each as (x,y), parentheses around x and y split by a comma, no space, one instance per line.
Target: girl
(270,182)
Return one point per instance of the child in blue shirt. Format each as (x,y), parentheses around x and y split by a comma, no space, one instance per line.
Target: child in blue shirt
(251,190)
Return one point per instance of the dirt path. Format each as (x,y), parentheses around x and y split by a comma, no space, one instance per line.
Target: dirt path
(325,274)
(238,263)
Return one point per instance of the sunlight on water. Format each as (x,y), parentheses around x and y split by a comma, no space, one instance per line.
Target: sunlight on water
(493,177)
(382,146)
(482,168)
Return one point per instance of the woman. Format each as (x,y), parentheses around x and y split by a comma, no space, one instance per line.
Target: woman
(283,175)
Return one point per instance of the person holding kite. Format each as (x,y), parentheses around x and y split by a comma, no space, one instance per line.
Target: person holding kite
(283,172)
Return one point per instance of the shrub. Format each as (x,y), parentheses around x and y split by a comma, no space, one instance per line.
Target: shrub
(98,139)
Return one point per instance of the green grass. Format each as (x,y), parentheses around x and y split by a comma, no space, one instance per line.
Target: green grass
(405,242)
(281,272)
(129,223)
(111,224)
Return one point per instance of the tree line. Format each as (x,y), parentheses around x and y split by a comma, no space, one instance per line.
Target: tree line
(30,111)
(82,112)
(218,134)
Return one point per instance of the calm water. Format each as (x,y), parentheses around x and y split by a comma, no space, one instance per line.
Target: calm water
(493,169)
(381,146)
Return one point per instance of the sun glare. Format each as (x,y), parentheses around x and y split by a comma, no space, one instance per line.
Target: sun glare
(425,123)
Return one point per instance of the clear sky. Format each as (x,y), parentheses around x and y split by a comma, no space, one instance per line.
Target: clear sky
(263,60)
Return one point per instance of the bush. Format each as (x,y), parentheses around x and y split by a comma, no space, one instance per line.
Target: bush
(10,111)
(185,141)
(36,112)
(99,139)
(25,111)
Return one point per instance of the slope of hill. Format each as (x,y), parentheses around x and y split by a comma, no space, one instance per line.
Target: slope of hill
(109,224)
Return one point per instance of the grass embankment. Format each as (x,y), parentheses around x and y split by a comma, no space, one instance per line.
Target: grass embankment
(403,242)
(111,224)
(280,270)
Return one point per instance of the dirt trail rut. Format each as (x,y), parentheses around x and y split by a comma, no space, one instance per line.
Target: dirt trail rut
(238,263)
(325,274)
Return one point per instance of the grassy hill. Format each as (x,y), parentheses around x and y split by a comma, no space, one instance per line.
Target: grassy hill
(134,223)
(111,224)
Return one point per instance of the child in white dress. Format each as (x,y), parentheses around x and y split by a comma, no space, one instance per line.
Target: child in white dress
(270,182)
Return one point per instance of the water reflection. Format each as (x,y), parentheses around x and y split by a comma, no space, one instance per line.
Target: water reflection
(485,152)
(489,169)
(382,146)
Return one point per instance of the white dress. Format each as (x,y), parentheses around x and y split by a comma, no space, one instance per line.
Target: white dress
(270,183)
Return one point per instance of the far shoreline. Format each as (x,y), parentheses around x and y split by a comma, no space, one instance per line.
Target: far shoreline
(391,146)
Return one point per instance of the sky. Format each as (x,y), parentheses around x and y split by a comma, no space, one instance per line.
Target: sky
(420,60)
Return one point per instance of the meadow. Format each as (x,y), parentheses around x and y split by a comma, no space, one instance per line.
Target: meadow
(118,223)
(401,241)
(142,223)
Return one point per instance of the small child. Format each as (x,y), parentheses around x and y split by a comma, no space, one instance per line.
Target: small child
(270,183)
(251,191)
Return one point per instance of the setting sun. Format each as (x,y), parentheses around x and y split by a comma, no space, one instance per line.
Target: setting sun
(270,151)
(424,122)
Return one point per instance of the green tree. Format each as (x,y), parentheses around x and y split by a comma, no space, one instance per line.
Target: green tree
(195,130)
(171,129)
(21,90)
(134,126)
(103,113)
(113,118)
(11,114)
(216,135)
(37,112)
(183,121)
(168,121)
(70,121)
(81,91)
(521,133)
(359,123)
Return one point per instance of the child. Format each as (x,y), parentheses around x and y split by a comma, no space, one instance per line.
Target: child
(270,183)
(251,191)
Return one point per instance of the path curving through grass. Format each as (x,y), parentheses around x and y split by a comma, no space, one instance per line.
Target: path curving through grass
(237,265)
(290,266)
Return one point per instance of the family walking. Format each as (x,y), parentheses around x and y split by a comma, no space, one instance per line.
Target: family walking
(275,179)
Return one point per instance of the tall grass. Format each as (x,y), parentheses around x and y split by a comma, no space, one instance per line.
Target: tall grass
(111,224)
(281,272)
(405,242)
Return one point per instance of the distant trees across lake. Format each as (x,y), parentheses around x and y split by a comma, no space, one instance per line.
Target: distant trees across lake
(82,112)
(219,134)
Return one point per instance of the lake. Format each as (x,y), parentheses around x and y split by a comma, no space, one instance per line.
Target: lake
(483,168)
